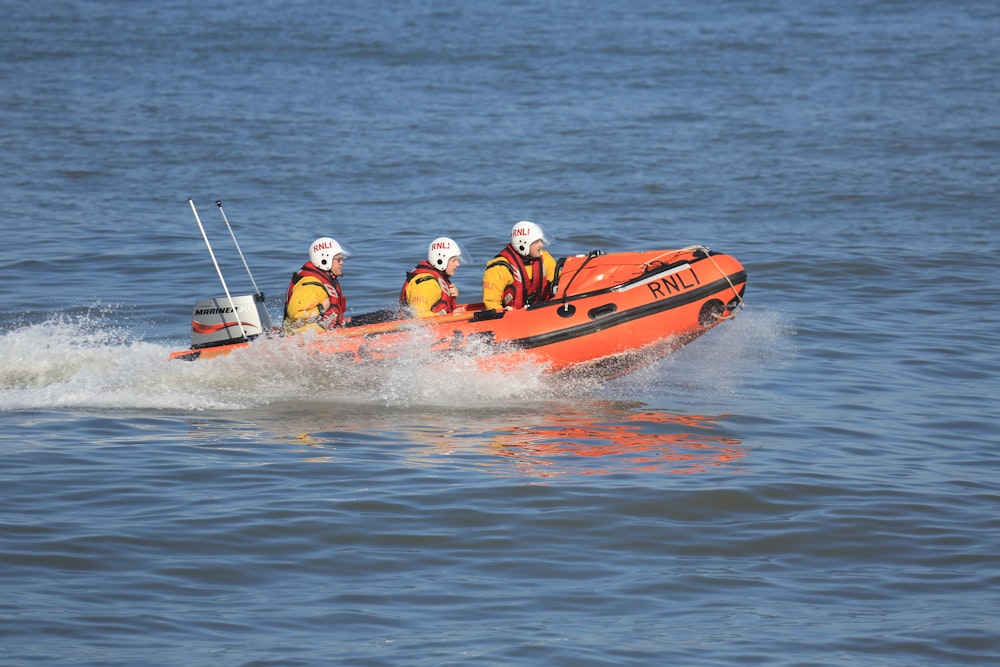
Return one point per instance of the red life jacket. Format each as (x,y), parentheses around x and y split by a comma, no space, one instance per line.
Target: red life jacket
(521,293)
(329,282)
(425,271)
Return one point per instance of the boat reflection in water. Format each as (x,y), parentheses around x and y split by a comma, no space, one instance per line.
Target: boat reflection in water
(643,441)
(550,439)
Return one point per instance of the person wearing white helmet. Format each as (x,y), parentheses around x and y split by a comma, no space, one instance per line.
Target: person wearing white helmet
(314,301)
(428,289)
(522,273)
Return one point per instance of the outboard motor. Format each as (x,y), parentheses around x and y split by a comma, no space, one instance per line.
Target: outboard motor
(215,322)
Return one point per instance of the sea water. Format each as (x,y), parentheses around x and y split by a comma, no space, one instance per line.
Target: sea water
(811,483)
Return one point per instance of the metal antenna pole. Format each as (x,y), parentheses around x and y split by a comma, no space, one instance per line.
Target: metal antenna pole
(260,295)
(217,269)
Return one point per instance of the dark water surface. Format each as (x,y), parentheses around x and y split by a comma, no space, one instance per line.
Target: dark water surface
(812,483)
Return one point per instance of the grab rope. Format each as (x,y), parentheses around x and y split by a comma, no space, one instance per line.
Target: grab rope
(708,254)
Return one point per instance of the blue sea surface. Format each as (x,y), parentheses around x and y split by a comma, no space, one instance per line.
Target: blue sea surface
(811,483)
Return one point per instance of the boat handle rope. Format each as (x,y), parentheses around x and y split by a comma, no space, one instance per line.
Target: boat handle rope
(708,254)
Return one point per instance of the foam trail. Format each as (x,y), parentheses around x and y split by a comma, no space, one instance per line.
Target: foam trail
(83,362)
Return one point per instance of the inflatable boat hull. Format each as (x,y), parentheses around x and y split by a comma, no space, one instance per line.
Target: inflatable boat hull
(610,314)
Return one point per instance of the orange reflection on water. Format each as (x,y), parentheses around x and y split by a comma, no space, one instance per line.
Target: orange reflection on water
(650,441)
(548,439)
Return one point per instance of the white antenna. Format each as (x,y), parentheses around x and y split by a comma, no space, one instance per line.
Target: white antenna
(257,292)
(217,269)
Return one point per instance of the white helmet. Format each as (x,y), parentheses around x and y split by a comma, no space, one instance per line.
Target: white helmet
(443,249)
(524,234)
(323,250)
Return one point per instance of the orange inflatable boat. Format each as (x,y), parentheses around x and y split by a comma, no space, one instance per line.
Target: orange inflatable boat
(610,314)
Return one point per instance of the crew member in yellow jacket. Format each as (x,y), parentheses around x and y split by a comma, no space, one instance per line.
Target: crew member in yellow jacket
(522,273)
(428,289)
(314,301)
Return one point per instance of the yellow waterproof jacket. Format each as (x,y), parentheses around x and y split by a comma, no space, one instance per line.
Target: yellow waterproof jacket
(499,281)
(425,292)
(314,302)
